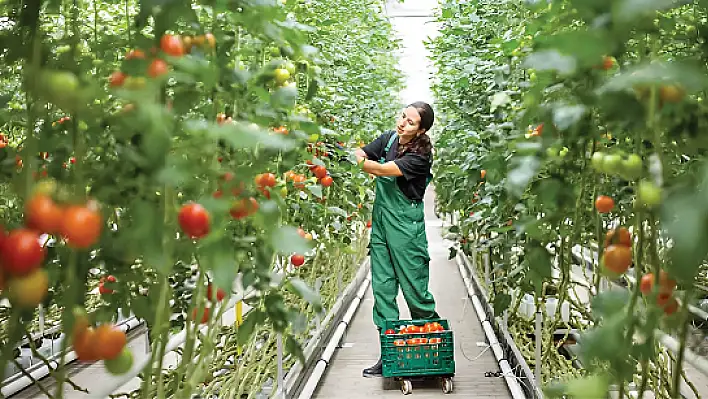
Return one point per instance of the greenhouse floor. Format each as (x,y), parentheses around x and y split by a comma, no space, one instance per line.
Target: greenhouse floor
(360,346)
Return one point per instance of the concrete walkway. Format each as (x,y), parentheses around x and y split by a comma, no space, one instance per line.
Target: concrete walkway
(360,346)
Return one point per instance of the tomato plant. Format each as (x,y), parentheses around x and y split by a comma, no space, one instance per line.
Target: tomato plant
(140,125)
(625,101)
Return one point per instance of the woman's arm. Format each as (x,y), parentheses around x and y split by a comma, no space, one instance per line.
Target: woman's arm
(360,153)
(378,169)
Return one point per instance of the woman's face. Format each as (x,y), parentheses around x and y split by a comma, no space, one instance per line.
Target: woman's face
(408,124)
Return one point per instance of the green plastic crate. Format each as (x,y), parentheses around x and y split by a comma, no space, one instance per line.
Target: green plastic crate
(422,359)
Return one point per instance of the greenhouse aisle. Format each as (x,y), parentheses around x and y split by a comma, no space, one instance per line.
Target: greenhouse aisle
(360,346)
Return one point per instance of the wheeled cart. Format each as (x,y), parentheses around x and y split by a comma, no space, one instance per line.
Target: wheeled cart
(413,350)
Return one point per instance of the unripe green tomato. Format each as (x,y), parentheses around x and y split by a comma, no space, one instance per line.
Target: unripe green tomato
(632,166)
(648,194)
(611,164)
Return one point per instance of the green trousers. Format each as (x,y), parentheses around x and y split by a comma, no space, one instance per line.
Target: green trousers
(399,255)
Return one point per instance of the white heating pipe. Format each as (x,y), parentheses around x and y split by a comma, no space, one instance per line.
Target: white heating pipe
(293,375)
(322,363)
(509,377)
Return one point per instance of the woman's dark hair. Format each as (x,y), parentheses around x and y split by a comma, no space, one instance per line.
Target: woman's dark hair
(421,143)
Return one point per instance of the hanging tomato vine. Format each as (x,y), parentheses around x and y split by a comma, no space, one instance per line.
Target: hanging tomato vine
(159,158)
(577,126)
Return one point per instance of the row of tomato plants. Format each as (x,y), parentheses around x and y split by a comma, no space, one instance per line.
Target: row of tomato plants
(168,150)
(579,124)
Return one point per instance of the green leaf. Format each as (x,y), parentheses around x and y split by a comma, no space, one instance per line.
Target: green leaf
(551,60)
(689,76)
(539,261)
(453,253)
(298,321)
(609,303)
(294,348)
(301,289)
(315,189)
(239,135)
(252,319)
(337,211)
(589,387)
(566,116)
(685,224)
(525,168)
(286,240)
(501,302)
(630,9)
(498,100)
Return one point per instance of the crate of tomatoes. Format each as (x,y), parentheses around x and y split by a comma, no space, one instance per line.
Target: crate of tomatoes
(417,348)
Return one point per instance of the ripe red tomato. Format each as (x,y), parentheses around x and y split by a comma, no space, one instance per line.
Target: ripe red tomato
(326,181)
(666,283)
(299,181)
(194,220)
(22,252)
(102,289)
(265,180)
(81,226)
(604,204)
(204,315)
(297,260)
(319,171)
(172,45)
(243,208)
(220,294)
(617,258)
(157,68)
(43,214)
(622,237)
(671,307)
(116,79)
(135,54)
(390,332)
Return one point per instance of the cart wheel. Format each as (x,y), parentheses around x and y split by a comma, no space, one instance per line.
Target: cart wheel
(447,385)
(406,387)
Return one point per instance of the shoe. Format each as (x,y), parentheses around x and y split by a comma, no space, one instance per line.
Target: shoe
(374,371)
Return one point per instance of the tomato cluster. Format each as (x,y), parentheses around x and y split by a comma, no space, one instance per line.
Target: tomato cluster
(105,342)
(617,256)
(22,251)
(102,289)
(427,328)
(205,314)
(617,163)
(431,327)
(170,45)
(320,172)
(665,298)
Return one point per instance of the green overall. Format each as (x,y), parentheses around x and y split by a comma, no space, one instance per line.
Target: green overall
(399,252)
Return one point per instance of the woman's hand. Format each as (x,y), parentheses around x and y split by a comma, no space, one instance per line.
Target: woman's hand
(360,154)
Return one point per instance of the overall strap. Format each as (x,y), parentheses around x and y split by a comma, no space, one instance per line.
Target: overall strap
(390,143)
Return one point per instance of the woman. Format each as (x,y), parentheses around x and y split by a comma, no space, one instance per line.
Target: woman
(401,161)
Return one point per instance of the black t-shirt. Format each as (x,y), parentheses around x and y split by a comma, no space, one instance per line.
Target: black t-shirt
(415,167)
